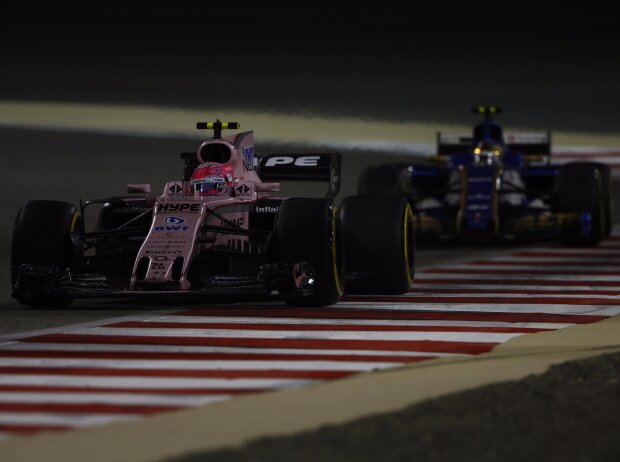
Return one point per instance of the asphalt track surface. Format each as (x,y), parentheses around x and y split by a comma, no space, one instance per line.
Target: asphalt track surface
(58,379)
(129,360)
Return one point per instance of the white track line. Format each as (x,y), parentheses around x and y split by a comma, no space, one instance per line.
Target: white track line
(75,397)
(586,251)
(534,267)
(136,365)
(334,321)
(489,307)
(301,334)
(154,383)
(200,349)
(454,277)
(557,259)
(499,296)
(61,419)
(418,284)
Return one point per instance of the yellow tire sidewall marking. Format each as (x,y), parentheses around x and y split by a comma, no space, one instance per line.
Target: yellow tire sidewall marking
(408,221)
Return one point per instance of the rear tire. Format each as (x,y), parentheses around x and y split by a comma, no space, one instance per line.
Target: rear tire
(46,234)
(307,229)
(581,187)
(379,239)
(383,180)
(606,187)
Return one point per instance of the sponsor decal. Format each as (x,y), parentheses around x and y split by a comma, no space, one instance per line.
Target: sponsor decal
(162,244)
(171,228)
(243,190)
(128,210)
(175,189)
(267,209)
(158,245)
(177,207)
(174,221)
(232,222)
(302,161)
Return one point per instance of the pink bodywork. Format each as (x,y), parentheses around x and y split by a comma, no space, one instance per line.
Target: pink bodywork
(179,214)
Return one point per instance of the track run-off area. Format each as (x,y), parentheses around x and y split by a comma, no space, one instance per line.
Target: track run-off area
(131,367)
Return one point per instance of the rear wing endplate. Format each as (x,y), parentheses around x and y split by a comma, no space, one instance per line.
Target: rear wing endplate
(302,167)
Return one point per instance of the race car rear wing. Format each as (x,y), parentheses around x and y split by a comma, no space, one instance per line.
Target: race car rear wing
(529,143)
(532,143)
(449,143)
(302,167)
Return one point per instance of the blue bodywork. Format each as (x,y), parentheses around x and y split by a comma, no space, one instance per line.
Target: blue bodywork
(482,187)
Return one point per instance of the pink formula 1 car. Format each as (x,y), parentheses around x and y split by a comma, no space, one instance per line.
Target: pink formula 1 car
(218,230)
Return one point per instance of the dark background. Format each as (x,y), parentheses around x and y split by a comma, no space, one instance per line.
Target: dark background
(551,67)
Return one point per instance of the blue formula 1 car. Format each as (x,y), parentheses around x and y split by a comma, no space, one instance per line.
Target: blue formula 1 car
(491,186)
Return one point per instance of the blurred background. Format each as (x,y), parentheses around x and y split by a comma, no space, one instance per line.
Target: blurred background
(553,67)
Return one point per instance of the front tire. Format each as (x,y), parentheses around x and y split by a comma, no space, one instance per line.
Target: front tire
(580,187)
(378,234)
(606,191)
(307,230)
(47,234)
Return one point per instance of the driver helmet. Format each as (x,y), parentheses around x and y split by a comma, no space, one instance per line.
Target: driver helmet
(212,179)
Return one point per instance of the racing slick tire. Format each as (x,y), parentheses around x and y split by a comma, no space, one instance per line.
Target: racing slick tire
(307,230)
(379,244)
(383,180)
(581,187)
(47,235)
(607,198)
(606,184)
